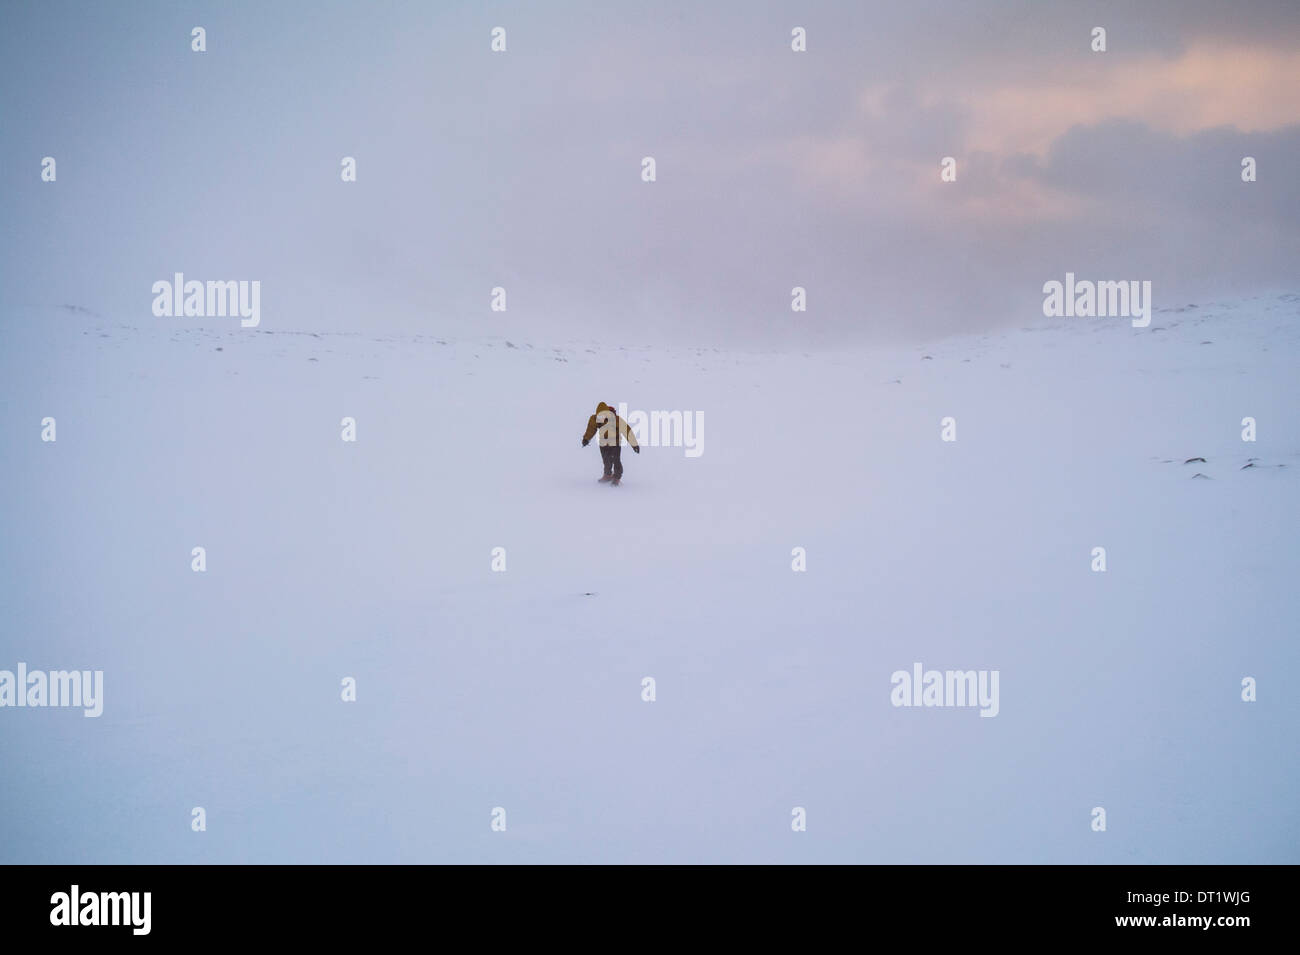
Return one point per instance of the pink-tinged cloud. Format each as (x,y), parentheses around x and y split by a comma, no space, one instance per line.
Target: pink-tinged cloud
(1253,89)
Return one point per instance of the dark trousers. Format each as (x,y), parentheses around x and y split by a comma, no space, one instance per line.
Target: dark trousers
(612,458)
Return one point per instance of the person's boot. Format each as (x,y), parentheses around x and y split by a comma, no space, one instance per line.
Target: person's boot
(613,482)
(607,477)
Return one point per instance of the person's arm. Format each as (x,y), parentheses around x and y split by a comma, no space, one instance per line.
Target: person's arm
(590,432)
(627,434)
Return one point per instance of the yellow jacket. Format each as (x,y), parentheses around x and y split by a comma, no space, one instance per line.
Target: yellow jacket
(611,428)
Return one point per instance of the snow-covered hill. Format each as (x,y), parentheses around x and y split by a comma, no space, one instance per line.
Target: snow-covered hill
(522,689)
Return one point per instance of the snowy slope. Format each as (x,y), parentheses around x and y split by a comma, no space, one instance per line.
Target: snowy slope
(522,689)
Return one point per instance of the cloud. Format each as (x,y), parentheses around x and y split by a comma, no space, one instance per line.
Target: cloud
(1249,88)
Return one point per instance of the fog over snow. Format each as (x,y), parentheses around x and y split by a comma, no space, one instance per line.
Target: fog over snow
(775,169)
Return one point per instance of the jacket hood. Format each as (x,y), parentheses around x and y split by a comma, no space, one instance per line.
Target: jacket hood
(603,407)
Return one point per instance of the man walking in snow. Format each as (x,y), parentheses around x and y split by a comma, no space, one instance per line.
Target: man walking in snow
(613,430)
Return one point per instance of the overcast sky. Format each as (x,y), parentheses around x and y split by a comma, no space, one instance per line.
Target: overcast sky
(523,169)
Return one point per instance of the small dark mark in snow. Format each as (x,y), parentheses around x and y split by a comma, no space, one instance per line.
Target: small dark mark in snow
(926,358)
(1198,474)
(1192,460)
(219,348)
(313,359)
(1207,343)
(1244,466)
